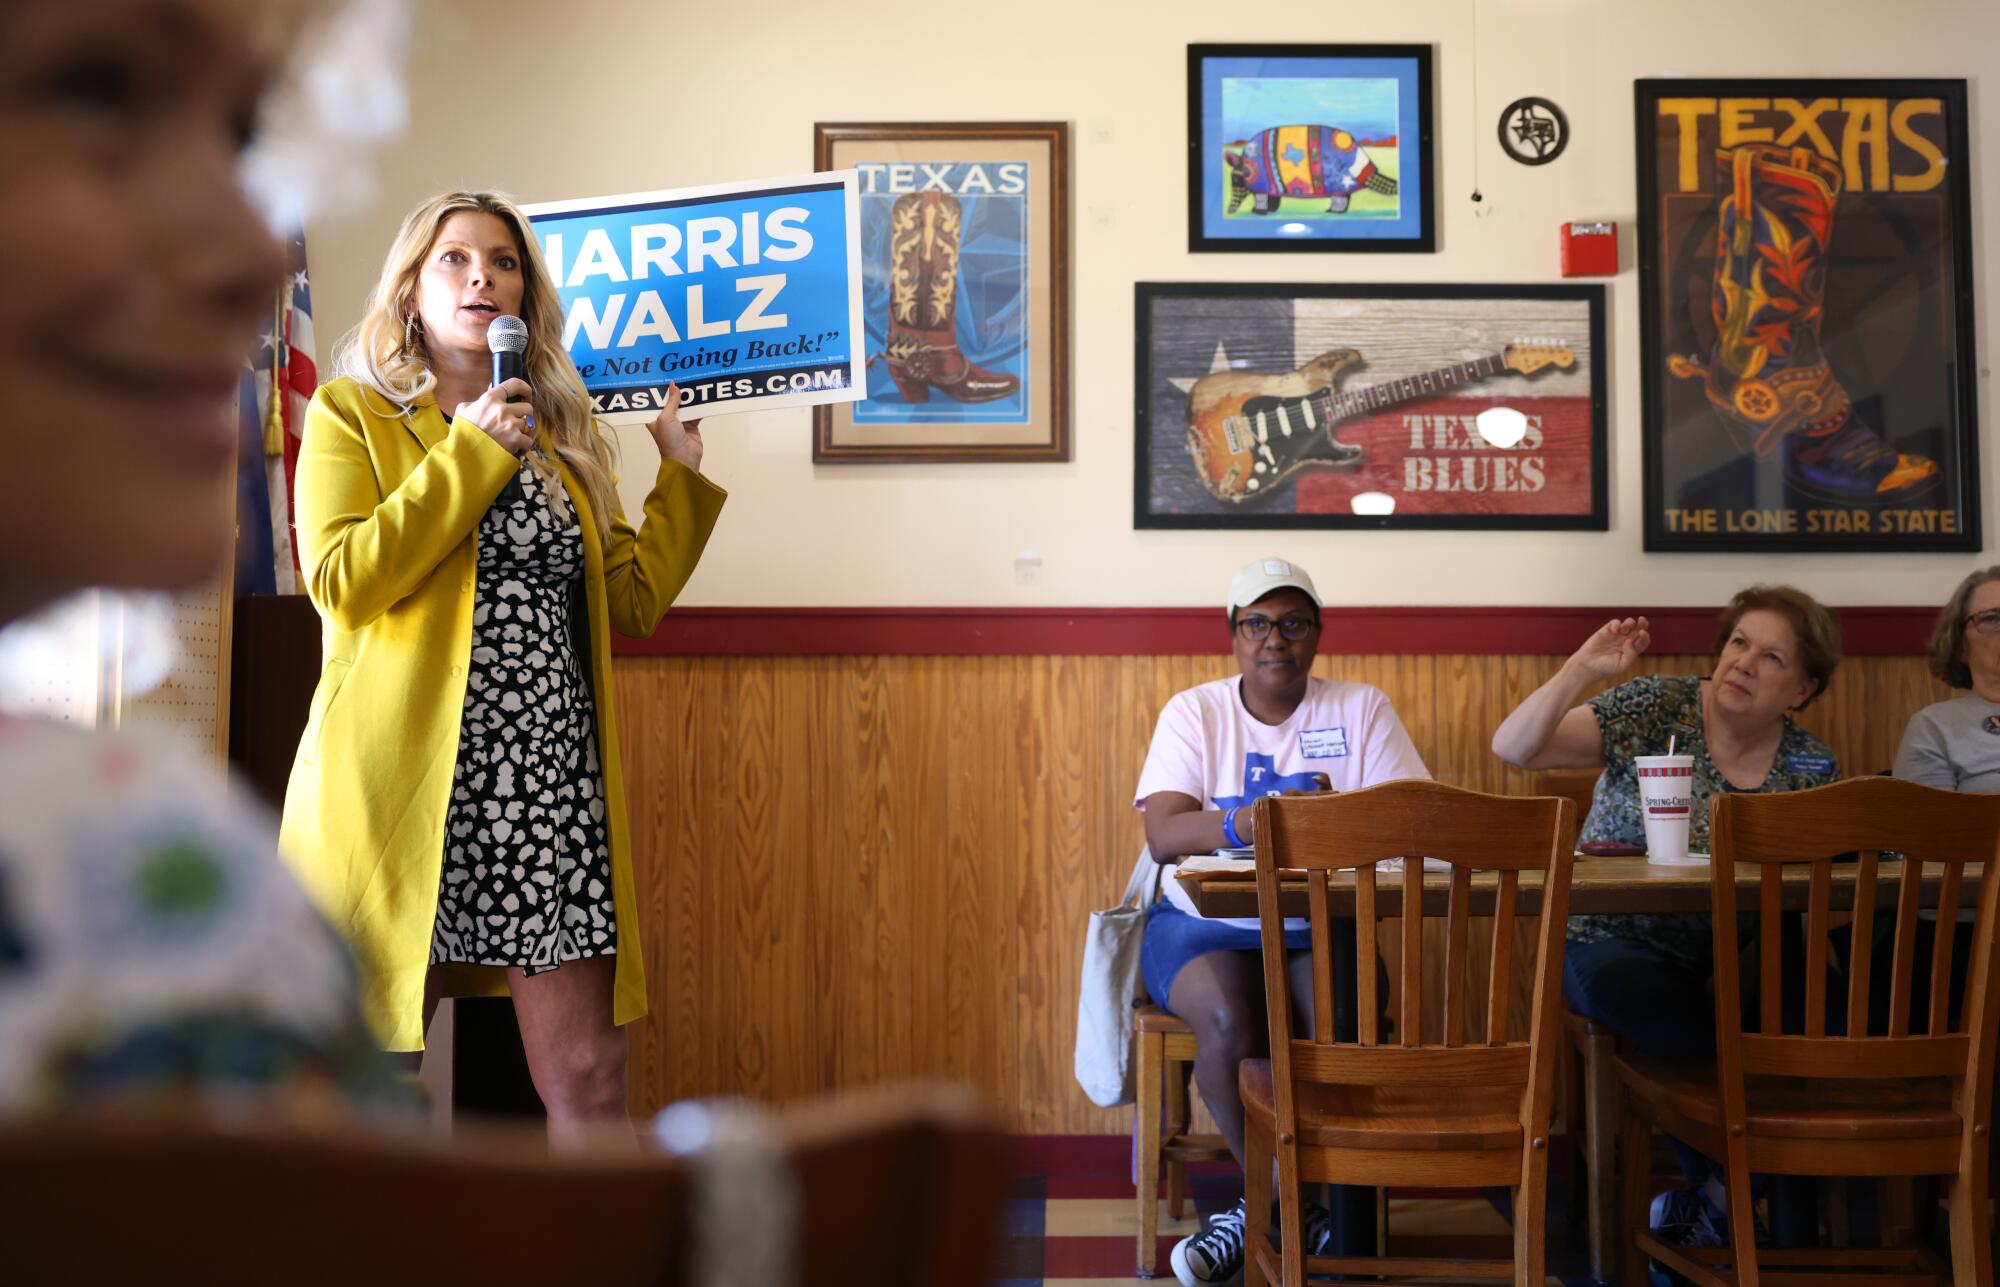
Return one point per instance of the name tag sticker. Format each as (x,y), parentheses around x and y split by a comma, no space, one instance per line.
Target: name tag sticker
(1821,764)
(1323,743)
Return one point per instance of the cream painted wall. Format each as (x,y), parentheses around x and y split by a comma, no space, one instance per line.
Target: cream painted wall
(626,95)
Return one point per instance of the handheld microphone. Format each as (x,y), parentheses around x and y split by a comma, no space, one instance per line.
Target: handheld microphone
(507,337)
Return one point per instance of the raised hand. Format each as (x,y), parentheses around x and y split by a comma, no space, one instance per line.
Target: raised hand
(1616,645)
(675,439)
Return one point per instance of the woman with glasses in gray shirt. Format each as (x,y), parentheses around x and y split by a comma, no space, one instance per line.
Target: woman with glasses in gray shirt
(1955,744)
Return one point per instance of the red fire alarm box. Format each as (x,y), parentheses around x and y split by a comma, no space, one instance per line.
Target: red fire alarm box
(1590,249)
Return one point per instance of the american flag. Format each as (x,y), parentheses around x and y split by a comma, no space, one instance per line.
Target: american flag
(278,383)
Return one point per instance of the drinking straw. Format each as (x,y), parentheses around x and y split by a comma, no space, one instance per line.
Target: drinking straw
(1670,743)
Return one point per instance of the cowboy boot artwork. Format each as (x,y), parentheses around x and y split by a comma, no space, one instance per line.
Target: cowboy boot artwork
(922,351)
(1767,375)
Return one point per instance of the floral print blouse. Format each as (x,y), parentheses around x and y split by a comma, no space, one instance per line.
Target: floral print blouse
(153,948)
(1637,718)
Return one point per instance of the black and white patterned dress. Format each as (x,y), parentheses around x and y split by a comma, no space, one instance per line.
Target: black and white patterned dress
(527,872)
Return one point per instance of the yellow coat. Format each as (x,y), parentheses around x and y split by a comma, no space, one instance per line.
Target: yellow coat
(388,510)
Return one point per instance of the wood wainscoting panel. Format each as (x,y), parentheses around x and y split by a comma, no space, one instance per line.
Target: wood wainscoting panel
(863,868)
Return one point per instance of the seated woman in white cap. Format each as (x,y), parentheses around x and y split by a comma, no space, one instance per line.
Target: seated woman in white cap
(1273,728)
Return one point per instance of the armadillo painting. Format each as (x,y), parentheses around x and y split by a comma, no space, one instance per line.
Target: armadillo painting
(1304,161)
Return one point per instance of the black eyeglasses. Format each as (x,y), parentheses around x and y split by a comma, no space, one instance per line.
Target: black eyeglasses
(1986,623)
(1258,629)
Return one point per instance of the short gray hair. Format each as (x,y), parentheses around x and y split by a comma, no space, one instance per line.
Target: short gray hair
(1947,650)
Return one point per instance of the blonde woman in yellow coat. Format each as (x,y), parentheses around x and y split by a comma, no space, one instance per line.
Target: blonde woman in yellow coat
(456,806)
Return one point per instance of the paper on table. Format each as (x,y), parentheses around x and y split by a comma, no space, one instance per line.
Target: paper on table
(1220,860)
(1227,860)
(1396,864)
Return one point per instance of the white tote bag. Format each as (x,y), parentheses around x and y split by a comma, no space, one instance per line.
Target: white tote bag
(1110,987)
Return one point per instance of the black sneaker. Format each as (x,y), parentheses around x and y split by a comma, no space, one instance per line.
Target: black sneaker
(1684,1218)
(1213,1257)
(1318,1230)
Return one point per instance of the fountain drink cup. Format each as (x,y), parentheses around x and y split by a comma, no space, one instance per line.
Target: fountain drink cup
(1666,793)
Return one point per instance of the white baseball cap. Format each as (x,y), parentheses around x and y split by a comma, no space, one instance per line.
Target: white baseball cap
(1255,580)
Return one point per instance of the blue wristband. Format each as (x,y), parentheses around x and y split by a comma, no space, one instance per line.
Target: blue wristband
(1229,826)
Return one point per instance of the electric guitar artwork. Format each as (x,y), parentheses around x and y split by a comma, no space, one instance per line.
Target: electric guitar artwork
(1250,433)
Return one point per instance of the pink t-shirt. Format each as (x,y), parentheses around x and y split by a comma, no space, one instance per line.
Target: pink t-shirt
(1208,746)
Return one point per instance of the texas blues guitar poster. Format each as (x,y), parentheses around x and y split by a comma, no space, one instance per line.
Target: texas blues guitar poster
(1267,406)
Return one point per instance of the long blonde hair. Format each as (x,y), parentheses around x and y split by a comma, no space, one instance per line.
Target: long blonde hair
(389,356)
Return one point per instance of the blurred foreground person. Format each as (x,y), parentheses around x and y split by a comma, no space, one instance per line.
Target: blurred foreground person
(152,949)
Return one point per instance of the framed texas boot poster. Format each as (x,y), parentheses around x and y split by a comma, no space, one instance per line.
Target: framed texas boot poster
(1806,316)
(965,304)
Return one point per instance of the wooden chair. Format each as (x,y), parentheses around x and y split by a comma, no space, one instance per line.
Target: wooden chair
(1470,1112)
(1165,1050)
(1805,1103)
(902,1187)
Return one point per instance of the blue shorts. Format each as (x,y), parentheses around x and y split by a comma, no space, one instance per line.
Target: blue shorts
(1173,938)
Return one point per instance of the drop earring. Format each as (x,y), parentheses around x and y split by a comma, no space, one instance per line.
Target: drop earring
(412,331)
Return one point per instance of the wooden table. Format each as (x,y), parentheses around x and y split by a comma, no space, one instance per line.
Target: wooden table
(1597,886)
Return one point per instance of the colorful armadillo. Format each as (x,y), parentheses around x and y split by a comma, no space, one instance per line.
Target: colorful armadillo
(1300,161)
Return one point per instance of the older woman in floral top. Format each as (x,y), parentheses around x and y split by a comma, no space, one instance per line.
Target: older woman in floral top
(1647,976)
